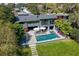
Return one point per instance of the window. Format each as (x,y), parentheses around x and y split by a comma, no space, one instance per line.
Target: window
(44,22)
(32,22)
(52,21)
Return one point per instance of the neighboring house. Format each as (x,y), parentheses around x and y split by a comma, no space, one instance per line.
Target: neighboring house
(46,20)
(22,10)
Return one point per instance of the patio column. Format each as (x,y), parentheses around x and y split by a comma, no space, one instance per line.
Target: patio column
(54,27)
(48,25)
(40,23)
(48,28)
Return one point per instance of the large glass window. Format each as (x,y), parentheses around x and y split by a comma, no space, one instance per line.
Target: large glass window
(30,22)
(33,23)
(44,22)
(52,21)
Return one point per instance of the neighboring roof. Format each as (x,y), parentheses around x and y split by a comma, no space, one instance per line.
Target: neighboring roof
(25,10)
(62,14)
(21,13)
(46,16)
(16,9)
(22,10)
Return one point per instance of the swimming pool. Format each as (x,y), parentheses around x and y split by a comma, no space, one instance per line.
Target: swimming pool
(48,37)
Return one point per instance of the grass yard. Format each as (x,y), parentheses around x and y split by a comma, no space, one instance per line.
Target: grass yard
(26,51)
(58,48)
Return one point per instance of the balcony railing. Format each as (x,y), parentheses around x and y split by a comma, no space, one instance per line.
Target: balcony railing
(33,24)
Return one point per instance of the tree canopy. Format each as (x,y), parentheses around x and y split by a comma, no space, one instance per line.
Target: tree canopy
(18,30)
(75,35)
(6,13)
(64,26)
(8,41)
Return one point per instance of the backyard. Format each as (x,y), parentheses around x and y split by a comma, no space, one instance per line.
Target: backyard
(58,48)
(25,51)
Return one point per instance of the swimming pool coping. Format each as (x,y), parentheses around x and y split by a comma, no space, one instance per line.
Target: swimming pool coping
(50,40)
(57,38)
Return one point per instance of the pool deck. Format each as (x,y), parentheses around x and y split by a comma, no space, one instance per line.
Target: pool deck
(33,37)
(58,34)
(32,40)
(47,32)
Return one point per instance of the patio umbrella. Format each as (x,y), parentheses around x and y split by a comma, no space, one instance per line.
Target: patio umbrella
(42,28)
(36,29)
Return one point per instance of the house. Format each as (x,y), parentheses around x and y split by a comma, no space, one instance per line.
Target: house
(46,20)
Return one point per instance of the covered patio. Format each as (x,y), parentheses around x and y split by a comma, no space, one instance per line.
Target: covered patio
(42,30)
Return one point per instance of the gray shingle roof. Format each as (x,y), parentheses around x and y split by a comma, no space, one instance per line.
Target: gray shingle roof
(35,17)
(28,18)
(45,16)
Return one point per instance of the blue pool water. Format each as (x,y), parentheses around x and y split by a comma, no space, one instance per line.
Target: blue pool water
(48,37)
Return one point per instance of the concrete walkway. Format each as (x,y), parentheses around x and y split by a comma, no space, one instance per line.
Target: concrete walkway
(33,50)
(32,45)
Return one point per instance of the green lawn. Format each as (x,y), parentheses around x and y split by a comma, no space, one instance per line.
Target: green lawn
(26,51)
(58,48)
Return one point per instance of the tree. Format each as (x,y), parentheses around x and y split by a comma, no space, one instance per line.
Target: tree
(10,32)
(75,24)
(75,35)
(6,14)
(20,5)
(64,26)
(19,31)
(77,8)
(8,41)
(74,18)
(33,8)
